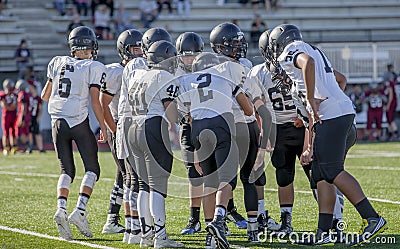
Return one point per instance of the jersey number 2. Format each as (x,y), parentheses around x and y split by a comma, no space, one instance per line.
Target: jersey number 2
(205,83)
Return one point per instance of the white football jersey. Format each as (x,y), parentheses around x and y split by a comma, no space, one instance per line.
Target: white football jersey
(149,92)
(72,79)
(207,94)
(236,73)
(124,107)
(278,100)
(112,86)
(326,86)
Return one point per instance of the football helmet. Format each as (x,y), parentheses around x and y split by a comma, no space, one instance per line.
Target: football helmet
(21,85)
(227,39)
(162,55)
(128,38)
(152,35)
(83,38)
(8,85)
(281,36)
(263,46)
(204,60)
(189,43)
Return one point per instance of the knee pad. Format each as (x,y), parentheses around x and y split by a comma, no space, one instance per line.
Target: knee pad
(64,181)
(330,173)
(261,181)
(284,176)
(126,195)
(89,179)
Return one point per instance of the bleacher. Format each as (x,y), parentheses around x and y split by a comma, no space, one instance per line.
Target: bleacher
(335,21)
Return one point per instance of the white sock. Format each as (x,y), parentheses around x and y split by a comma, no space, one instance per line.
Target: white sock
(157,209)
(62,203)
(144,212)
(219,211)
(261,208)
(339,205)
(82,201)
(128,222)
(286,209)
(135,225)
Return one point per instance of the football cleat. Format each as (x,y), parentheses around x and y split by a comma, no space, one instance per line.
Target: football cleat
(371,227)
(217,229)
(165,242)
(61,219)
(78,218)
(252,231)
(266,222)
(147,240)
(112,225)
(236,218)
(210,242)
(193,226)
(134,237)
(125,239)
(286,228)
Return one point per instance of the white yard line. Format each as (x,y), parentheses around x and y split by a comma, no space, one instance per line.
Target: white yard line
(16,230)
(181,184)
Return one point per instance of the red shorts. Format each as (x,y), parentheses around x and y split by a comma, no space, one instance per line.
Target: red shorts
(374,116)
(390,113)
(24,130)
(8,123)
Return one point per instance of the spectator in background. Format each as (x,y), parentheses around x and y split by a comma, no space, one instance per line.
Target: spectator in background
(108,3)
(375,98)
(8,103)
(59,5)
(23,59)
(76,22)
(272,5)
(102,21)
(123,19)
(161,3)
(82,6)
(148,12)
(390,108)
(357,96)
(183,4)
(258,26)
(390,75)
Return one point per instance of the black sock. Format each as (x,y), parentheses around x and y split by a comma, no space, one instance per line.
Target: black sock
(195,213)
(231,205)
(365,209)
(325,221)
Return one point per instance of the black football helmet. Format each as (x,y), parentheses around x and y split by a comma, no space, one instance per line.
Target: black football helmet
(9,85)
(162,55)
(204,60)
(189,43)
(263,46)
(281,36)
(227,39)
(152,35)
(83,38)
(128,38)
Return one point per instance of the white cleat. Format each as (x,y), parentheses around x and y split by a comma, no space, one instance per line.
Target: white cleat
(134,239)
(126,237)
(272,225)
(165,242)
(112,225)
(78,218)
(61,219)
(147,241)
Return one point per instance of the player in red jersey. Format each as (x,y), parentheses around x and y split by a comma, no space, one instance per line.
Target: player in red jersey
(24,115)
(8,102)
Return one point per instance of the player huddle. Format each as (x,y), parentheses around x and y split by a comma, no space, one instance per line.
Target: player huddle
(230,114)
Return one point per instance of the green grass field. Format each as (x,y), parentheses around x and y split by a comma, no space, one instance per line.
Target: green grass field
(28,201)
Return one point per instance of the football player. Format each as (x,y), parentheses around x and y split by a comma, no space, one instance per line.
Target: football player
(72,82)
(188,45)
(208,97)
(228,40)
(333,114)
(8,102)
(24,114)
(126,184)
(149,141)
(35,107)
